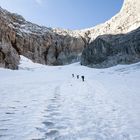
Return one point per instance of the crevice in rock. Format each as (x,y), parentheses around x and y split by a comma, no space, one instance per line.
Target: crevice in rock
(56,51)
(14,45)
(45,55)
(2,56)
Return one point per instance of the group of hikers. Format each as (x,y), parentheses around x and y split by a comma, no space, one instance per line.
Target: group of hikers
(77,76)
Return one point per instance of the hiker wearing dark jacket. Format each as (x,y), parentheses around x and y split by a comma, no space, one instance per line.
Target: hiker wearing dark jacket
(72,75)
(77,76)
(83,78)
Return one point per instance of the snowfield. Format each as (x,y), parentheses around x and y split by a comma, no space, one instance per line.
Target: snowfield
(41,102)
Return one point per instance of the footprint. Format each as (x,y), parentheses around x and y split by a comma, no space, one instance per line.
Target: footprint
(12,107)
(55,114)
(34,100)
(17,101)
(54,99)
(4,120)
(48,124)
(51,133)
(39,139)
(2,135)
(10,113)
(61,127)
(4,129)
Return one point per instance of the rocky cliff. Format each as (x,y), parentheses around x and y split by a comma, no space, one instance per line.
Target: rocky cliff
(109,50)
(57,46)
(40,44)
(114,42)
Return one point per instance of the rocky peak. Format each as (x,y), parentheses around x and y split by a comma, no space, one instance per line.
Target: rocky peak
(125,21)
(118,40)
(131,6)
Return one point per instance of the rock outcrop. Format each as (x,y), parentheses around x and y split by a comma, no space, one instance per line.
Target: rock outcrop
(40,44)
(107,46)
(109,50)
(57,46)
(9,57)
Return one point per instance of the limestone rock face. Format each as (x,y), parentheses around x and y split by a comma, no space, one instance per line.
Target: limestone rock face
(115,42)
(9,57)
(109,50)
(40,44)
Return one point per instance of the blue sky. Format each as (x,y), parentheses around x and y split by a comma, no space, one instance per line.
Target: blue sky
(69,14)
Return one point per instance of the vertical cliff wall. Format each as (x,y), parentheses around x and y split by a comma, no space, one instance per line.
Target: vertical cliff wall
(118,40)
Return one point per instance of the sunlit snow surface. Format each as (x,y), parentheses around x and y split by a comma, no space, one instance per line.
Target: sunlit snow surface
(41,102)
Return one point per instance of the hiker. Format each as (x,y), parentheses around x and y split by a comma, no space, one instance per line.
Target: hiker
(72,75)
(77,76)
(83,78)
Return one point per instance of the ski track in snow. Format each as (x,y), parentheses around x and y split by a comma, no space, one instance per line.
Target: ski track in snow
(37,106)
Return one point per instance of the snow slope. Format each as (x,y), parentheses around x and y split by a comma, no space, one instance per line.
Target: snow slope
(46,103)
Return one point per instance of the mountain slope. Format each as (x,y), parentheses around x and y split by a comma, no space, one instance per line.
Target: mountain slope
(57,46)
(116,42)
(45,102)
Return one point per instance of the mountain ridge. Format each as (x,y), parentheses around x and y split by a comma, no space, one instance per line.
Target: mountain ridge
(56,46)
